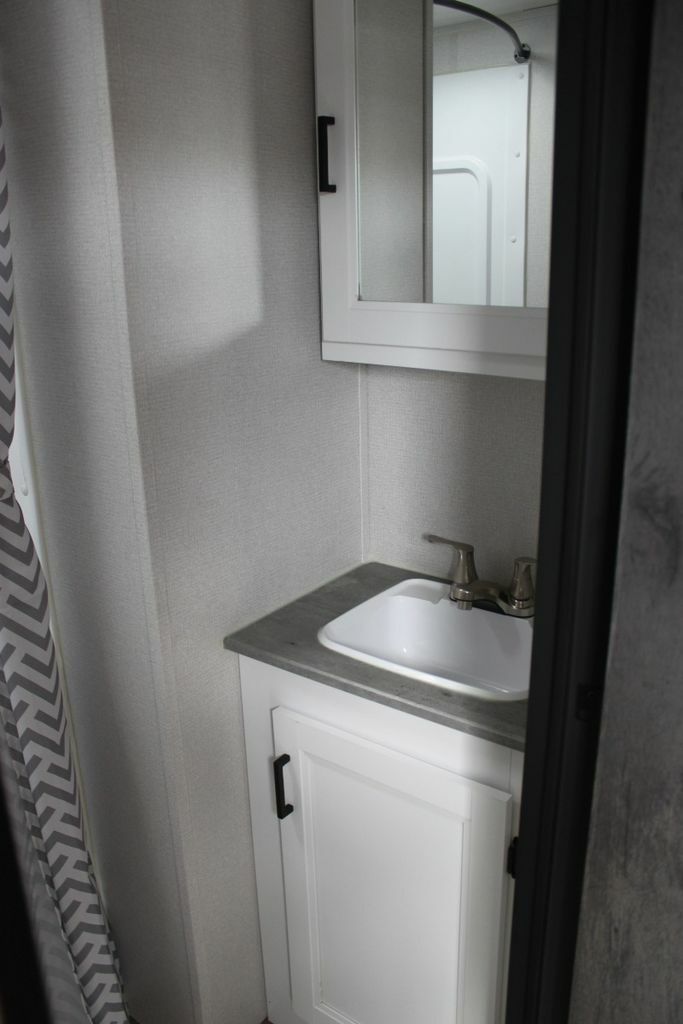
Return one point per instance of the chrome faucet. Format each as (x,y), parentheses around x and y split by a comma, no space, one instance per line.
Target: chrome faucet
(516,599)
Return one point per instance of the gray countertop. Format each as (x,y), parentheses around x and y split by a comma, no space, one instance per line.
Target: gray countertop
(288,639)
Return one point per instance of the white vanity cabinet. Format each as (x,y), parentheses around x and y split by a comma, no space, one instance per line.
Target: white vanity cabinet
(383,893)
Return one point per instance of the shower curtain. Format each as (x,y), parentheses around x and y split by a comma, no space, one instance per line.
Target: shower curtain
(74,945)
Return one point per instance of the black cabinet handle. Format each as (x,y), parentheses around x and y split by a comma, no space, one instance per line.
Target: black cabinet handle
(324,183)
(283,808)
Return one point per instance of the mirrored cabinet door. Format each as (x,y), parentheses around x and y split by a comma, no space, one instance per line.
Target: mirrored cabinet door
(435,133)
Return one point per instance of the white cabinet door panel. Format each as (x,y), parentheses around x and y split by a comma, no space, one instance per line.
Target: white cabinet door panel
(394,882)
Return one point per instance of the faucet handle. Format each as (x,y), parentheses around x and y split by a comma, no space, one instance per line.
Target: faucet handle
(463,571)
(522,584)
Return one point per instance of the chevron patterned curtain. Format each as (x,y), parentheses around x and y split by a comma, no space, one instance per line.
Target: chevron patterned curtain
(36,764)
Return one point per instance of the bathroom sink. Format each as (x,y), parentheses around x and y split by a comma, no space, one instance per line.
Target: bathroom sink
(415,629)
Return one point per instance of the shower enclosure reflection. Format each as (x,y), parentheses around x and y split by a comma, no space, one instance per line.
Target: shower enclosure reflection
(454,133)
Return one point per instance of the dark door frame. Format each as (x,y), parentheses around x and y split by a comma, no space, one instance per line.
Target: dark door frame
(602,75)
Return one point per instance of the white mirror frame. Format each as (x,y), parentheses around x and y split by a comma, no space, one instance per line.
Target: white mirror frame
(501,340)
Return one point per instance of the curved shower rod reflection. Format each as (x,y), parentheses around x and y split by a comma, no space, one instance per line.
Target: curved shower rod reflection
(522,51)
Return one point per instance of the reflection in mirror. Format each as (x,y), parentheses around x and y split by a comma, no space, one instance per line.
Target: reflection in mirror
(455,143)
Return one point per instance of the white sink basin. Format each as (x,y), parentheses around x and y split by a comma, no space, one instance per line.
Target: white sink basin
(415,629)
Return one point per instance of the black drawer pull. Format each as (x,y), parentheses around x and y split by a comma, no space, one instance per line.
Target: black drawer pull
(324,183)
(283,808)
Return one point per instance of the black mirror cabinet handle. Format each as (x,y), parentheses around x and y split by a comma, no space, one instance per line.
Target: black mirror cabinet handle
(324,183)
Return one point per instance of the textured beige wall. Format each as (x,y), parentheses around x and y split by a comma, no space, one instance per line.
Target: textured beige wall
(249,442)
(628,962)
(454,454)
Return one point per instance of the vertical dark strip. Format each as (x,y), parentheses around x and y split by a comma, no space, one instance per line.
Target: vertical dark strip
(22,997)
(603,50)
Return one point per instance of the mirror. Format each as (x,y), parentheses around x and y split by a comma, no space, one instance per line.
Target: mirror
(454,153)
(379,280)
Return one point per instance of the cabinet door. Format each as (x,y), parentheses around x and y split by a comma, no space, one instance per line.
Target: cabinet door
(394,873)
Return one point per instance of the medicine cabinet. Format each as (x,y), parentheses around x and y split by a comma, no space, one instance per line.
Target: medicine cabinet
(435,171)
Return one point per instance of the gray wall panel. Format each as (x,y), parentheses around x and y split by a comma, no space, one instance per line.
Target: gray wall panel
(628,967)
